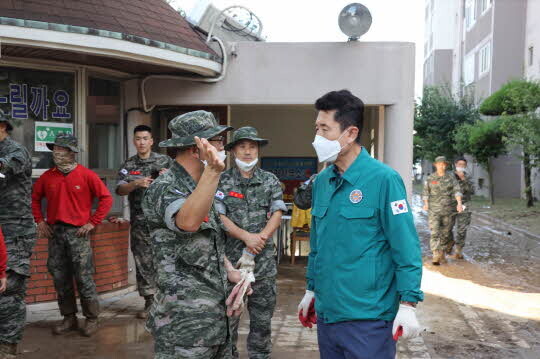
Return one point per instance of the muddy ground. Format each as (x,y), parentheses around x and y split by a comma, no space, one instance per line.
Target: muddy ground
(486,306)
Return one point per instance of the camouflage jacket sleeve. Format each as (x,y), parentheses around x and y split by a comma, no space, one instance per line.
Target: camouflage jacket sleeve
(168,203)
(122,177)
(14,162)
(276,202)
(426,190)
(457,187)
(303,196)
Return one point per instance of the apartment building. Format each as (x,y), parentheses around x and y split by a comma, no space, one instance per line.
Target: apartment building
(439,40)
(488,49)
(531,62)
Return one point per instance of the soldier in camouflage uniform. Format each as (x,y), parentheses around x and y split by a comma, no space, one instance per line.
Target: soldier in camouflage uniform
(463,219)
(441,191)
(303,195)
(134,177)
(19,231)
(188,318)
(251,205)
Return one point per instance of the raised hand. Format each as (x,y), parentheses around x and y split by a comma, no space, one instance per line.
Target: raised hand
(209,153)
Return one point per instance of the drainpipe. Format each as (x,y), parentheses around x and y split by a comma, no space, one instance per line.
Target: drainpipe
(145,106)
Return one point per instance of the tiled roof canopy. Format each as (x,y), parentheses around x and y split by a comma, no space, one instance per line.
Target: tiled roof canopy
(149,19)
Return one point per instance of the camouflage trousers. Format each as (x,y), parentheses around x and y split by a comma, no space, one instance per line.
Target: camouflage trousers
(70,257)
(12,305)
(463,220)
(260,306)
(13,309)
(164,350)
(441,225)
(143,256)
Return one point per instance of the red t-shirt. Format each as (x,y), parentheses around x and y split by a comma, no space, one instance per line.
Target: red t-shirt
(69,197)
(3,255)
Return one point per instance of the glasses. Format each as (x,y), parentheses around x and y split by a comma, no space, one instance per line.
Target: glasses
(219,139)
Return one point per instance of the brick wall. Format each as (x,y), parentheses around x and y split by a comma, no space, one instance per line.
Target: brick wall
(110,245)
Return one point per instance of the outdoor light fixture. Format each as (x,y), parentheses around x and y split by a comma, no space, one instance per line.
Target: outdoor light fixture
(354,20)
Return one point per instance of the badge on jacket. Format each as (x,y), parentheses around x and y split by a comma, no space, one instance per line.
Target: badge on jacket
(399,207)
(356,196)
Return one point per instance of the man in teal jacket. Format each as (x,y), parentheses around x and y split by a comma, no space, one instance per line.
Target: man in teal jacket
(365,265)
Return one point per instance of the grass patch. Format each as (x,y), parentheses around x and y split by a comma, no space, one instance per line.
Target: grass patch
(510,210)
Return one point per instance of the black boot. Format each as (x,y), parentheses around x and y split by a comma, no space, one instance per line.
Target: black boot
(148,301)
(68,324)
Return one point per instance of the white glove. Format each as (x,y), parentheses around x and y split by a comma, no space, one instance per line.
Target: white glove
(246,262)
(406,318)
(305,303)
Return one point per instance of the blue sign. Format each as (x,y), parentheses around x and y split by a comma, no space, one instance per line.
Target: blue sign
(290,168)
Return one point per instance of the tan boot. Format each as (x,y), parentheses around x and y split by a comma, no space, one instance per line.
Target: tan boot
(436,258)
(442,258)
(458,253)
(90,327)
(68,324)
(148,301)
(8,351)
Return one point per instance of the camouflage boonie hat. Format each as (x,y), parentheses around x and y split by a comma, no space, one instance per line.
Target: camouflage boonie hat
(66,140)
(4,118)
(185,127)
(440,159)
(245,133)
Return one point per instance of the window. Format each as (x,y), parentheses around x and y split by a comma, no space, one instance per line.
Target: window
(470,13)
(104,124)
(485,5)
(485,58)
(531,55)
(41,104)
(468,69)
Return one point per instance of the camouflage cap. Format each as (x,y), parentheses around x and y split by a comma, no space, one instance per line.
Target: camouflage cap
(66,140)
(185,127)
(440,159)
(4,118)
(245,133)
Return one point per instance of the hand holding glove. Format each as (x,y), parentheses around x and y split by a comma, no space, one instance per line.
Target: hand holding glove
(406,319)
(235,301)
(306,310)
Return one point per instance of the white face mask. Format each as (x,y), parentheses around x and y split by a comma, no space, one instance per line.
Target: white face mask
(222,155)
(461,169)
(327,150)
(246,166)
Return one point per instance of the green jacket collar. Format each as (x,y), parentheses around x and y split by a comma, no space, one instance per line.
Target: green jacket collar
(354,171)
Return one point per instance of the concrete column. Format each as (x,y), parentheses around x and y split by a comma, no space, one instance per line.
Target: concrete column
(398,140)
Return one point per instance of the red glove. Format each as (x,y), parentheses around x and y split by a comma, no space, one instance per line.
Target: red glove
(311,316)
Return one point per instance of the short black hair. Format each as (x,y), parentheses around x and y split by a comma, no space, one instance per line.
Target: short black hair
(460,159)
(142,128)
(349,109)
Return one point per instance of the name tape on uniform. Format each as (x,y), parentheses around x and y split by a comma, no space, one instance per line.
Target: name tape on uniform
(399,207)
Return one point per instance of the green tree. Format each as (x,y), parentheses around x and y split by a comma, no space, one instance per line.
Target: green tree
(484,141)
(437,116)
(516,103)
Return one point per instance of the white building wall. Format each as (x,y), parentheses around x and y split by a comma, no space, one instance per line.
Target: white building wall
(299,73)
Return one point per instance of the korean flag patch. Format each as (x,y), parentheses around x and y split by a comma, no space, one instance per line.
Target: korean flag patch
(220,195)
(123,171)
(399,207)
